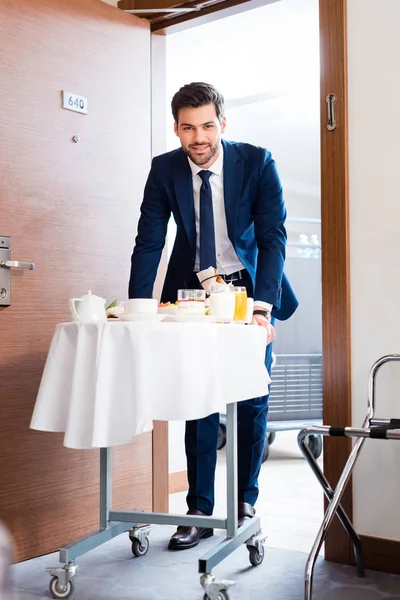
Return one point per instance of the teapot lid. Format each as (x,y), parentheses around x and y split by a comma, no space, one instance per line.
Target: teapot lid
(94,295)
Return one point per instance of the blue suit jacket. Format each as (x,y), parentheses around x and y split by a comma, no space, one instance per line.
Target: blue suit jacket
(255,215)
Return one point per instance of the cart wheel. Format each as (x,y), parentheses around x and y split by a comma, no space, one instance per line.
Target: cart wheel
(266,450)
(221,436)
(222,595)
(57,591)
(314,443)
(271,435)
(139,549)
(256,556)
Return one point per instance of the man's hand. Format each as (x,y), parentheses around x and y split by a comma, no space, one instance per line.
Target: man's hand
(264,322)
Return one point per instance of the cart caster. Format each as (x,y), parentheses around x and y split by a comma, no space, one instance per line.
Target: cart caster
(222,595)
(140,541)
(61,584)
(139,548)
(61,591)
(256,557)
(255,546)
(215,590)
(221,436)
(314,443)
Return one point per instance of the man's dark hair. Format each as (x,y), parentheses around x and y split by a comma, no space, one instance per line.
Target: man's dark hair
(193,95)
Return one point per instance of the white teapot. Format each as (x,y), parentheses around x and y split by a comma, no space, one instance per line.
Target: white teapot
(88,308)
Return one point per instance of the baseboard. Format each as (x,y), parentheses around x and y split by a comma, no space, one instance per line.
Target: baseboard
(177,482)
(381,554)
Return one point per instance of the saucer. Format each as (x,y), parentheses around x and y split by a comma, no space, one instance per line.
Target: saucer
(141,317)
(168,310)
(181,316)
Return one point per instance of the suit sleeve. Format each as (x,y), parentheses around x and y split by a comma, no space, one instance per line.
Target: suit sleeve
(270,232)
(150,240)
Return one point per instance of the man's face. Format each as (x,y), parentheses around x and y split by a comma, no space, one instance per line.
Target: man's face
(199,131)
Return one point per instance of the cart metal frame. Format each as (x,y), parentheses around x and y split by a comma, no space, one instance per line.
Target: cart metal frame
(372,427)
(113,523)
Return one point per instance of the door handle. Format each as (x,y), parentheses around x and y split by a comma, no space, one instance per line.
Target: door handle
(7,264)
(331,101)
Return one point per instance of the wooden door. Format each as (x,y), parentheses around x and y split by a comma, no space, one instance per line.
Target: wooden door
(71,208)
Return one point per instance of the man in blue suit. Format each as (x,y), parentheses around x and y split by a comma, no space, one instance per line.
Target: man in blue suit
(226,199)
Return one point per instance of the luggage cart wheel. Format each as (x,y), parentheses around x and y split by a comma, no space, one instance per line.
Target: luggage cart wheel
(314,442)
(59,591)
(266,450)
(222,595)
(140,548)
(221,436)
(256,556)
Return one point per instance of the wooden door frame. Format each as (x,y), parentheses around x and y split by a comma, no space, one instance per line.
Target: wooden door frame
(158,145)
(336,318)
(335,269)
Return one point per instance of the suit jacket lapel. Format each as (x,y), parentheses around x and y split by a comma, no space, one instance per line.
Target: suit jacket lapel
(233,177)
(183,185)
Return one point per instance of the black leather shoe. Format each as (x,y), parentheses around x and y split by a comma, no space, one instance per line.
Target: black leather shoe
(245,512)
(189,537)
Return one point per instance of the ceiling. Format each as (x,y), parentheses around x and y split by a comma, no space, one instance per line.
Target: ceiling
(167,13)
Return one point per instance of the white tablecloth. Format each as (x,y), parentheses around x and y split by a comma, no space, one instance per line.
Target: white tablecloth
(105,383)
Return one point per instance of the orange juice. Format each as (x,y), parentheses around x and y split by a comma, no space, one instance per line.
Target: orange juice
(240,304)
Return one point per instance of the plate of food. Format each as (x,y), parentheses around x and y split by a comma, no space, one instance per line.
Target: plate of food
(167,308)
(114,310)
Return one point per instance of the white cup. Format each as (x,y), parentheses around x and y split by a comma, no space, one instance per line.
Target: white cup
(222,305)
(141,306)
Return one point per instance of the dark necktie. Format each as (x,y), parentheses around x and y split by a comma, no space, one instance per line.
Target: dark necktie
(207,234)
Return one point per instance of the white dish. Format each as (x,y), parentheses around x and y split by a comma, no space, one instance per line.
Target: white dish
(140,317)
(179,316)
(168,310)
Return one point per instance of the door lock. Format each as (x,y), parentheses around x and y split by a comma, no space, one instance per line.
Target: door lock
(6,264)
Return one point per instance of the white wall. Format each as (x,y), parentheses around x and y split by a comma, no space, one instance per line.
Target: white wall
(374,92)
(271,88)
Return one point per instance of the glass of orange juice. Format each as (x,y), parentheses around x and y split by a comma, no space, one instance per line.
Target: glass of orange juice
(240,304)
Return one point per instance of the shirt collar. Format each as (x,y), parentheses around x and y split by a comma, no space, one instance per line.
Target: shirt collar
(215,167)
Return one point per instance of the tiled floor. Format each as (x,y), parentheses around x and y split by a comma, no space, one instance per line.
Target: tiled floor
(290,507)
(111,573)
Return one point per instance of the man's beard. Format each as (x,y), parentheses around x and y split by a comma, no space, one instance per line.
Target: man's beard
(205,158)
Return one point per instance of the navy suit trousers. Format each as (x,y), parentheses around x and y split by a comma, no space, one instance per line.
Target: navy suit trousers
(201,437)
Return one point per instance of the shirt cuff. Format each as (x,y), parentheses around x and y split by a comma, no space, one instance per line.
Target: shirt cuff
(263,305)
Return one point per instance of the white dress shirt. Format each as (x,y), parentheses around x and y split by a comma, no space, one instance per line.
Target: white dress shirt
(227,259)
